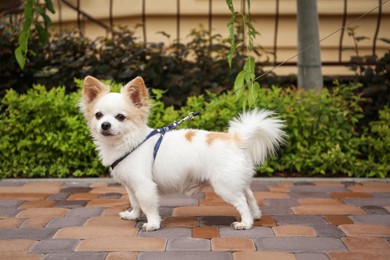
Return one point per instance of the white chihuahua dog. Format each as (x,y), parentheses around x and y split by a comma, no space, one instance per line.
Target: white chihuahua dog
(147,162)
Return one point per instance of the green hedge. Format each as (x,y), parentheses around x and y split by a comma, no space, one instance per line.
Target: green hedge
(44,135)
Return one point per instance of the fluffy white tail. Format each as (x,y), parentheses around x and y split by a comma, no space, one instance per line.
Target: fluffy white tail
(261,135)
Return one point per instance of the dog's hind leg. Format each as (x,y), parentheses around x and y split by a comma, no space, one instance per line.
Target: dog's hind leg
(135,213)
(254,208)
(238,200)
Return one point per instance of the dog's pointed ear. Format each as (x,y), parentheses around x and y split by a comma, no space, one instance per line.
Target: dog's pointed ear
(137,92)
(92,88)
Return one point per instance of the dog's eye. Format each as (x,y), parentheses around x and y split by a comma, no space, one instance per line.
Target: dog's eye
(120,117)
(98,115)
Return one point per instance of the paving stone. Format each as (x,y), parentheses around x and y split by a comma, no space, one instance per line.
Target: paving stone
(328,231)
(95,232)
(217,221)
(271,210)
(280,189)
(40,212)
(114,211)
(21,256)
(59,196)
(329,183)
(167,233)
(184,255)
(329,209)
(83,196)
(111,244)
(294,231)
(344,195)
(370,187)
(300,244)
(259,195)
(76,189)
(381,194)
(23,196)
(102,203)
(304,183)
(365,230)
(281,202)
(263,256)
(109,189)
(111,221)
(258,186)
(27,233)
(372,219)
(188,244)
(213,202)
(71,204)
(37,204)
(380,202)
(375,210)
(15,245)
(165,211)
(78,256)
(10,222)
(366,244)
(8,212)
(11,183)
(311,256)
(338,219)
(121,256)
(34,187)
(265,221)
(319,201)
(316,189)
(10,203)
(232,244)
(54,245)
(300,219)
(359,255)
(84,212)
(205,211)
(66,222)
(298,195)
(205,232)
(35,222)
(255,232)
(180,222)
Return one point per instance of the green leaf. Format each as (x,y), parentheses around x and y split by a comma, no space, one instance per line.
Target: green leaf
(49,5)
(20,57)
(239,84)
(230,5)
(41,32)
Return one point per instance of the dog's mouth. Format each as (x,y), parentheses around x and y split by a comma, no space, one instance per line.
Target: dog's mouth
(107,133)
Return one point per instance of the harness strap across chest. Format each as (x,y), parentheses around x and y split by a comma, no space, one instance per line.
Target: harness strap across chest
(160,131)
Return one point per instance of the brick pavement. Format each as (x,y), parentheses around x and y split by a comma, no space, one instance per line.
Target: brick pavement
(303,219)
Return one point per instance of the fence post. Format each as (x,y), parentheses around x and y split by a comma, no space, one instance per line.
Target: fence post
(309,58)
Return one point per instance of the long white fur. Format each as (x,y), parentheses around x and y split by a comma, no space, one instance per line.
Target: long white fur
(187,159)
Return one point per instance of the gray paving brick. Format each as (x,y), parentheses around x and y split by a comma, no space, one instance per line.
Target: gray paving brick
(10,203)
(300,219)
(61,222)
(360,202)
(276,210)
(300,244)
(327,230)
(311,256)
(8,212)
(168,233)
(110,196)
(84,212)
(314,194)
(59,196)
(259,186)
(75,189)
(71,204)
(54,245)
(188,244)
(184,256)
(372,219)
(255,232)
(317,189)
(76,255)
(281,202)
(27,233)
(375,210)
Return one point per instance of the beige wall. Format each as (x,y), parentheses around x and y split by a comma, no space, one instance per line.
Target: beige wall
(161,16)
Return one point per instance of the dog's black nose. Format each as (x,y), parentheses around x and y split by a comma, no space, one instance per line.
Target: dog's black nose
(106,125)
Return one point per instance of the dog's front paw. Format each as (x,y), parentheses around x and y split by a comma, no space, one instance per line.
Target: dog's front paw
(129,215)
(241,225)
(150,227)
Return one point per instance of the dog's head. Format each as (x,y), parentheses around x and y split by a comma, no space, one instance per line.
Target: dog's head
(113,115)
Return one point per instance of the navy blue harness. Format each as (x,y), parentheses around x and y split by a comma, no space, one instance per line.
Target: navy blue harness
(160,131)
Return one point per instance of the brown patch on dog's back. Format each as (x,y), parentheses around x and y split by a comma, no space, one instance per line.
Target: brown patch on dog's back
(189,135)
(225,137)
